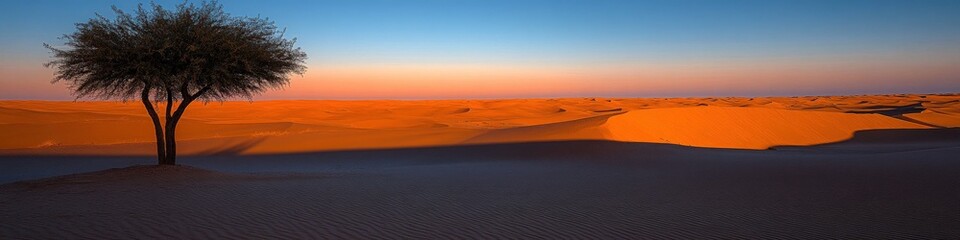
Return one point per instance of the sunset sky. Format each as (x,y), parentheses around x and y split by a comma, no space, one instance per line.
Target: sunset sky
(518,49)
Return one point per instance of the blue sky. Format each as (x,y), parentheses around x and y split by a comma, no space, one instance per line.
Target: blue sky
(914,44)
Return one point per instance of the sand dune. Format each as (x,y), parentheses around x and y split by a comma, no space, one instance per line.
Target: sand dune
(744,128)
(111,128)
(870,167)
(935,118)
(716,127)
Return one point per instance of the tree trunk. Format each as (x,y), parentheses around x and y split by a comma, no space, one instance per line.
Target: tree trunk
(157,127)
(171,142)
(171,133)
(171,129)
(174,119)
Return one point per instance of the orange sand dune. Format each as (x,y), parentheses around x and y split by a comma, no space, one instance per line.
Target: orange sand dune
(717,127)
(113,128)
(749,128)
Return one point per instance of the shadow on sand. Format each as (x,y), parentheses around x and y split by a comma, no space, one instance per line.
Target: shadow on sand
(859,189)
(24,167)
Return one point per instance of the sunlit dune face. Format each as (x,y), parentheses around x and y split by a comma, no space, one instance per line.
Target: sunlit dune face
(112,128)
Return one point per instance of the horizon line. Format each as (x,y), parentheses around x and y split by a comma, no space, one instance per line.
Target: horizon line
(508,98)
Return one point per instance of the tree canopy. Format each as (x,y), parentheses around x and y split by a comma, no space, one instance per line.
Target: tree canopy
(192,49)
(182,55)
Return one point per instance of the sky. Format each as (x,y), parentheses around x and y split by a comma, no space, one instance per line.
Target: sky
(458,49)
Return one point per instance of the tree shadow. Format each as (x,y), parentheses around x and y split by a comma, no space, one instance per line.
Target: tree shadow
(231,150)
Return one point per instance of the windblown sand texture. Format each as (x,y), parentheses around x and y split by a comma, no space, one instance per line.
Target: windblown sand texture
(262,127)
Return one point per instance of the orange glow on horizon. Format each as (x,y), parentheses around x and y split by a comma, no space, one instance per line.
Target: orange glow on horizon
(643,79)
(430,81)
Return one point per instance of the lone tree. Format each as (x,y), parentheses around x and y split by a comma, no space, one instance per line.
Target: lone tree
(195,52)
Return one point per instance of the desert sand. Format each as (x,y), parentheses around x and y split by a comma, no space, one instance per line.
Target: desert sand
(866,167)
(270,127)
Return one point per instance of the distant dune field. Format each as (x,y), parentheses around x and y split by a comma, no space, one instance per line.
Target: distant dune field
(264,127)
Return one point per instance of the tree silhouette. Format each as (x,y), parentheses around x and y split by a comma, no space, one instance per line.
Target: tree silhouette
(195,52)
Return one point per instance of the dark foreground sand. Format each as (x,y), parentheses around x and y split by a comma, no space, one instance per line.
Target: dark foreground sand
(880,185)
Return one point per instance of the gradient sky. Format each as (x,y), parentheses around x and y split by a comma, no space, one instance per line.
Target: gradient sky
(517,49)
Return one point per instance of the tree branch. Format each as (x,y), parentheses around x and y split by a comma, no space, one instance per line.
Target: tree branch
(187,99)
(201,92)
